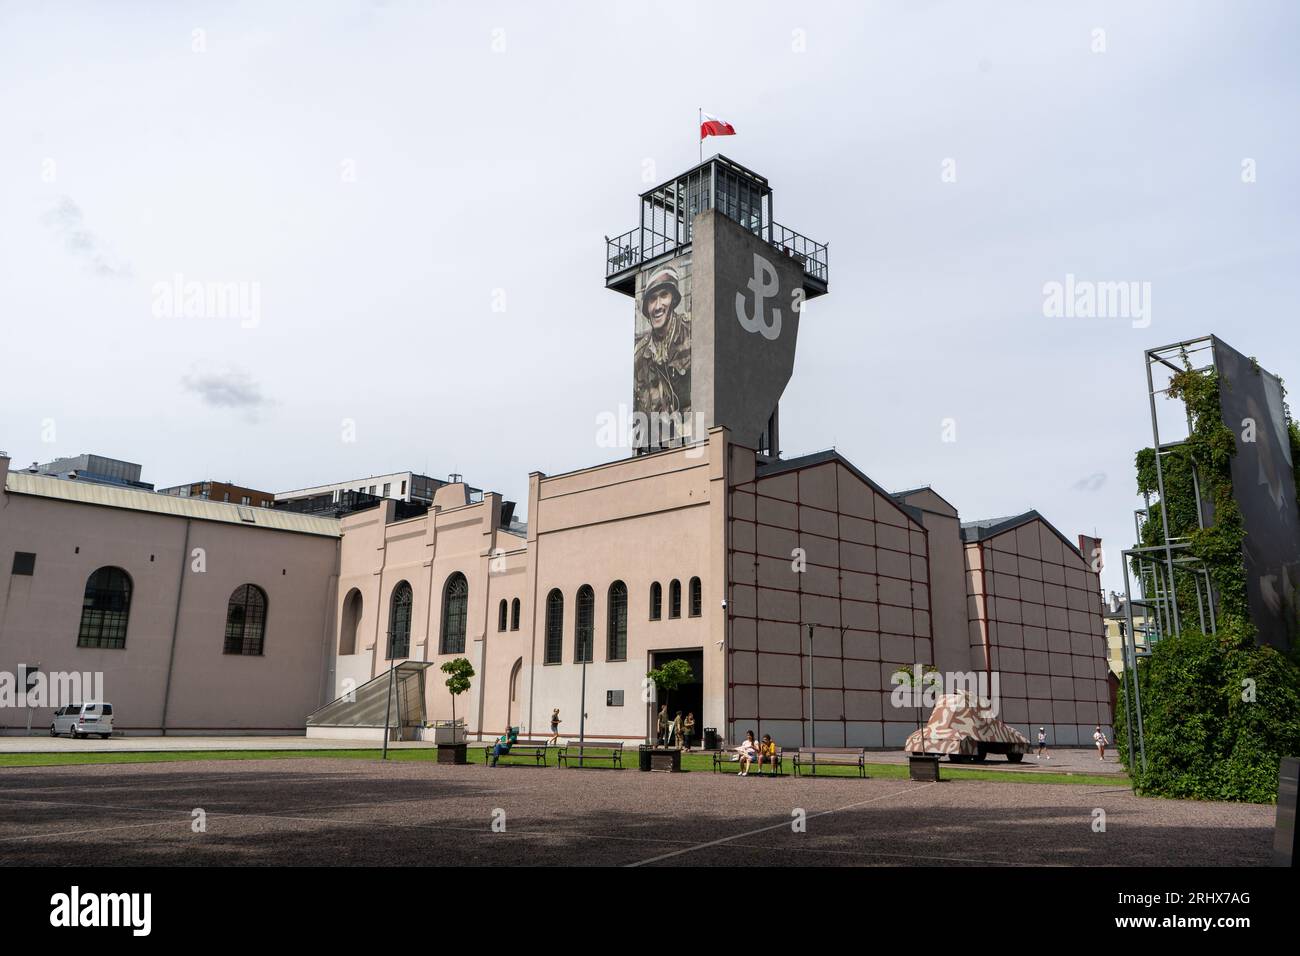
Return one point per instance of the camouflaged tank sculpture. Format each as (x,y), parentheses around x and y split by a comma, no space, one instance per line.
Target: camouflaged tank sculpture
(962,729)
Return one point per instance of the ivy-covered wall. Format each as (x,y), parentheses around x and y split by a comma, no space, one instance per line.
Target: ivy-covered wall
(1219,712)
(1209,449)
(1217,719)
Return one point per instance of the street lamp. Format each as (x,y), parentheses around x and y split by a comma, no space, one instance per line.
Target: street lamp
(582,712)
(812,687)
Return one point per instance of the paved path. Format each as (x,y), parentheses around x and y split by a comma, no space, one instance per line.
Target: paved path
(48,744)
(1063,760)
(331,811)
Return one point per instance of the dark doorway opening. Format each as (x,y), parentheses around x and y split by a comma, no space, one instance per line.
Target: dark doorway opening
(688,698)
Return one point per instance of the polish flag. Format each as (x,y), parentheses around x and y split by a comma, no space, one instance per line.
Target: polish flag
(712,126)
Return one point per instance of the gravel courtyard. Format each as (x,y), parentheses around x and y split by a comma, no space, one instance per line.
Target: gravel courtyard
(331,811)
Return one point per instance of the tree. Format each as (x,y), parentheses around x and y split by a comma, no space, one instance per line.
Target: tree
(916,678)
(672,675)
(460,671)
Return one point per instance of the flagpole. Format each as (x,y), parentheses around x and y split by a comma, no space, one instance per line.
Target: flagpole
(699,126)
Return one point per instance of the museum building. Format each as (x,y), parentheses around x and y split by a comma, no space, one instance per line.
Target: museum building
(793,587)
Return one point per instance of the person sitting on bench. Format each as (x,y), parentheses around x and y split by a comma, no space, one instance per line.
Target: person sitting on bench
(767,754)
(747,752)
(504,743)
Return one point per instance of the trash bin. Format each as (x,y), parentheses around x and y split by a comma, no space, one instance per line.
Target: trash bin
(711,739)
(643,757)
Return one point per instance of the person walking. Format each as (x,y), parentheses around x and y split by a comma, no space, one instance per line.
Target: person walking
(688,730)
(677,729)
(661,726)
(1100,740)
(555,727)
(1042,744)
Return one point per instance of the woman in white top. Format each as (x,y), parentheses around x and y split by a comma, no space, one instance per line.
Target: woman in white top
(748,751)
(1100,740)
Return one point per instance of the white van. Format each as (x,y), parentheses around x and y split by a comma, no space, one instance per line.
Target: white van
(82,720)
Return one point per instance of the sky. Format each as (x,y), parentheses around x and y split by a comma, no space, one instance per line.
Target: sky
(411,201)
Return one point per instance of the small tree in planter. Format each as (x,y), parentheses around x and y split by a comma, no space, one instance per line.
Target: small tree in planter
(670,676)
(459,672)
(915,678)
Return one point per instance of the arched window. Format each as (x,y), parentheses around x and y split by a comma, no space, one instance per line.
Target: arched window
(105,607)
(554,627)
(502,611)
(514,691)
(697,597)
(616,637)
(399,622)
(245,621)
(514,614)
(351,623)
(584,624)
(656,601)
(675,599)
(455,612)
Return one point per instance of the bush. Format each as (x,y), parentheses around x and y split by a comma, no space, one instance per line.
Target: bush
(1203,741)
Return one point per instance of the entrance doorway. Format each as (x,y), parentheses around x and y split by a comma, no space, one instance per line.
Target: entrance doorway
(689,697)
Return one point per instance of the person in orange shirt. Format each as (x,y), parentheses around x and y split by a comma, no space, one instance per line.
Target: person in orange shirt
(767,754)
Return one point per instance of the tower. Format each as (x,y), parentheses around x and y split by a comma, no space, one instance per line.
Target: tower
(719,287)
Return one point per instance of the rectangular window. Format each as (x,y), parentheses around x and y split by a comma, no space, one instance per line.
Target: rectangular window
(245,500)
(613,698)
(403,489)
(388,488)
(102,628)
(24,563)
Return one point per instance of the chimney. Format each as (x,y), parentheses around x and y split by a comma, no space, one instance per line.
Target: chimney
(1090,548)
(4,469)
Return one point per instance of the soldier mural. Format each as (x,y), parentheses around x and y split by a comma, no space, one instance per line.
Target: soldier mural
(662,356)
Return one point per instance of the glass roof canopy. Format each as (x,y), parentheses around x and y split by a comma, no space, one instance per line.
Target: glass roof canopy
(668,212)
(399,700)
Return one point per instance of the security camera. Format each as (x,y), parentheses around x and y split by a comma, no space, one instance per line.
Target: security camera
(724,602)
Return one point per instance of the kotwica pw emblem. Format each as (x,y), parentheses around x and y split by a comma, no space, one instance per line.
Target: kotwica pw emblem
(764,285)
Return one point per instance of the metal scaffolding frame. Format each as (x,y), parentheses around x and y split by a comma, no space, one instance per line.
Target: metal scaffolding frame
(1158,568)
(667,216)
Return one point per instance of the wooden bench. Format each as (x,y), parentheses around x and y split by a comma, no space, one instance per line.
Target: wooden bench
(520,748)
(810,757)
(583,752)
(723,759)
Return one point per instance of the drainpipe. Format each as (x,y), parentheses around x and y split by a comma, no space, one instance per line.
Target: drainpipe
(176,624)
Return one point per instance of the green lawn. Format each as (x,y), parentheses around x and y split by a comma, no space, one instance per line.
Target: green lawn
(690,762)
